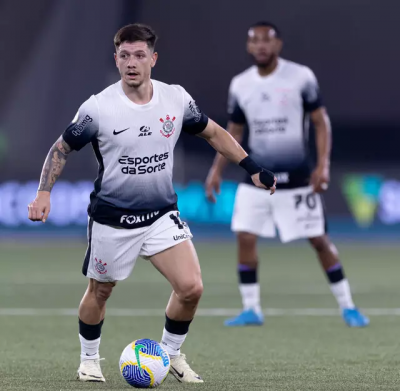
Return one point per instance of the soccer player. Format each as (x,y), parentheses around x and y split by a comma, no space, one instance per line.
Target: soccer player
(277,98)
(133,126)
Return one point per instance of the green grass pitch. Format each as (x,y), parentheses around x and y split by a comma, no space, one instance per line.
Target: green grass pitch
(304,345)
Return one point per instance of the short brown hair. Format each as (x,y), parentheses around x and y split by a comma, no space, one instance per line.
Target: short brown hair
(136,32)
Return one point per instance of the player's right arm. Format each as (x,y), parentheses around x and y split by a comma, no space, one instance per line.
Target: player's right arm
(81,131)
(235,127)
(39,208)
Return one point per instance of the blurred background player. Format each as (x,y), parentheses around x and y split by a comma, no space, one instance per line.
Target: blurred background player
(276,98)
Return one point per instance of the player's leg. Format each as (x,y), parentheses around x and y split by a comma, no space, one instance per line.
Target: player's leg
(180,266)
(338,283)
(250,220)
(110,257)
(91,317)
(169,248)
(299,214)
(249,286)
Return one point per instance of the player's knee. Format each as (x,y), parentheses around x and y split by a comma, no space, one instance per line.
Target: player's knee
(103,291)
(191,292)
(247,239)
(321,244)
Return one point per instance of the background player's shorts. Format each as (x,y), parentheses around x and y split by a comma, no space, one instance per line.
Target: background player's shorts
(296,213)
(112,251)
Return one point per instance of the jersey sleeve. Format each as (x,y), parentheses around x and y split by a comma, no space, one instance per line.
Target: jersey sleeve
(310,92)
(235,112)
(84,127)
(194,120)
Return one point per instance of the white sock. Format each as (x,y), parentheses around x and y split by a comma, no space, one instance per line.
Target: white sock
(172,343)
(251,296)
(342,293)
(89,349)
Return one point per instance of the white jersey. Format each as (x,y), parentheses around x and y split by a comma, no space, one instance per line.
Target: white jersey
(275,108)
(134,147)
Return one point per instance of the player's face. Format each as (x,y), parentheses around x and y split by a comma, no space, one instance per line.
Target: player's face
(134,61)
(263,45)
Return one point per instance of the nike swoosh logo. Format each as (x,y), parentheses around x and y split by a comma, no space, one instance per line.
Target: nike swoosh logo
(179,374)
(115,133)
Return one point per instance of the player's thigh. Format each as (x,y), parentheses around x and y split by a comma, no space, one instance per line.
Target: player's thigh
(180,266)
(112,252)
(299,213)
(171,251)
(252,211)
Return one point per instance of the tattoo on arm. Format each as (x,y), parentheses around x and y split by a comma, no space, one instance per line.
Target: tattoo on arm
(54,164)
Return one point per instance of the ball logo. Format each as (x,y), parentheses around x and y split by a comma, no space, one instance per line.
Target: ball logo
(137,350)
(168,128)
(100,266)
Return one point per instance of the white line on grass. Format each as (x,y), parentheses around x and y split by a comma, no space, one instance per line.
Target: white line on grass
(201,312)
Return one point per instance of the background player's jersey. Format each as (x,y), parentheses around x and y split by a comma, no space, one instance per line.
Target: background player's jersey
(134,147)
(275,108)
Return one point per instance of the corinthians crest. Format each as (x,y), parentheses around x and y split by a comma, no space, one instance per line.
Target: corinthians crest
(168,127)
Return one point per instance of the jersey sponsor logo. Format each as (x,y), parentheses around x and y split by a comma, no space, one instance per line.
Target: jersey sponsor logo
(80,127)
(135,219)
(168,127)
(272,125)
(120,131)
(282,177)
(143,165)
(265,97)
(195,110)
(181,237)
(144,131)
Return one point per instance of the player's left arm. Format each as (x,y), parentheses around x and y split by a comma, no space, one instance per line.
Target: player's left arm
(195,122)
(313,104)
(228,147)
(321,175)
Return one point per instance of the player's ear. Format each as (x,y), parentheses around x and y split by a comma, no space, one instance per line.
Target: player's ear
(249,47)
(115,58)
(154,58)
(279,45)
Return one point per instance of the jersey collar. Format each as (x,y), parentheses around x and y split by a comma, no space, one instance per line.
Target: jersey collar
(147,106)
(271,75)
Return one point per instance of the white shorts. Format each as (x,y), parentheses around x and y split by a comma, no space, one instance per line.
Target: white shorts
(112,251)
(296,213)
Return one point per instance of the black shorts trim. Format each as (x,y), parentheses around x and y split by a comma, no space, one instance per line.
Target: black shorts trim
(89,249)
(326,227)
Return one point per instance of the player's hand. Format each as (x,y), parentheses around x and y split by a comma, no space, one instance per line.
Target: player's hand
(259,184)
(320,179)
(39,208)
(213,184)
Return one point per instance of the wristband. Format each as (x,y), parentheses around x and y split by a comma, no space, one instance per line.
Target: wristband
(250,166)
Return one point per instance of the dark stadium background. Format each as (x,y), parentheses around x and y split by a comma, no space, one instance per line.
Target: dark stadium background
(56,53)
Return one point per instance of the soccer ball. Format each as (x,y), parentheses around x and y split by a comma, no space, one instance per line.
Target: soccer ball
(144,363)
